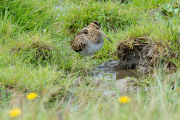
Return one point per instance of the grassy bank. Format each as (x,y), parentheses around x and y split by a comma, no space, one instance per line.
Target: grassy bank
(36,56)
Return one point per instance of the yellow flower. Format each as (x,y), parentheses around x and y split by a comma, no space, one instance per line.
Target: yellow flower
(31,96)
(124,99)
(15,112)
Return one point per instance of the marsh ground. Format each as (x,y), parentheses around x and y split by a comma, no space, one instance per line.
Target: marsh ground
(35,56)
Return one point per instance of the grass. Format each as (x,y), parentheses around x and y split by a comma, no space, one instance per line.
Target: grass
(36,56)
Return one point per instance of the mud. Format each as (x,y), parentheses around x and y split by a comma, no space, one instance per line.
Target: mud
(110,70)
(144,56)
(110,80)
(108,87)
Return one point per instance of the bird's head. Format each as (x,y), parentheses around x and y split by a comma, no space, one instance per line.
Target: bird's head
(95,25)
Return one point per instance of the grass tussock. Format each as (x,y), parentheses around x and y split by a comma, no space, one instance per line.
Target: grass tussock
(34,52)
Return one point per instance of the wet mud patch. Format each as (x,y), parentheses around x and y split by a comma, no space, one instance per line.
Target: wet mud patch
(108,80)
(111,70)
(144,56)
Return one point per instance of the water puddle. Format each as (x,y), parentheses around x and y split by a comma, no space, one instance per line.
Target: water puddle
(117,74)
(109,71)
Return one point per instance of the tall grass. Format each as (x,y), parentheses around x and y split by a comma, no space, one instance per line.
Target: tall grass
(159,102)
(111,15)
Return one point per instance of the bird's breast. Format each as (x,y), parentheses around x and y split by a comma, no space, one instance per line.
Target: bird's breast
(91,49)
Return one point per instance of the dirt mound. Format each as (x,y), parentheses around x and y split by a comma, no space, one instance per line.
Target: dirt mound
(144,55)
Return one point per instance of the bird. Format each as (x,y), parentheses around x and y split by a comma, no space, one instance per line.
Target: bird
(89,40)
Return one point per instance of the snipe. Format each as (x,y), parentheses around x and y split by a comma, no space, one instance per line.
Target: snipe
(89,40)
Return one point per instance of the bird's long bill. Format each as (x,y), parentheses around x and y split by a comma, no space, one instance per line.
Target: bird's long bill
(105,35)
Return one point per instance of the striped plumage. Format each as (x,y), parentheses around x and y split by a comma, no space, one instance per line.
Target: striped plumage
(89,40)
